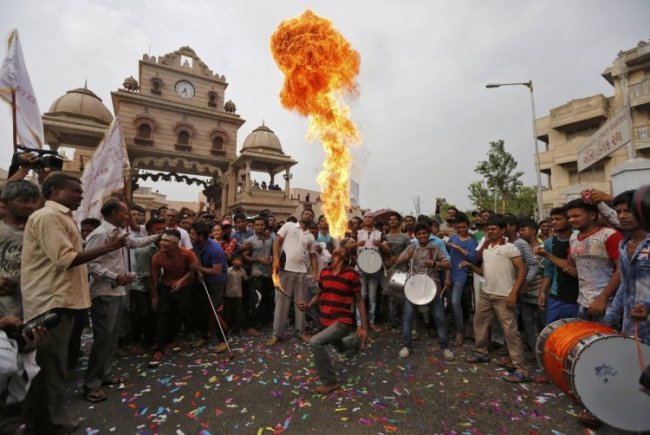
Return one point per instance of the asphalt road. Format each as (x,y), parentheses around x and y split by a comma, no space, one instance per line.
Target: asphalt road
(270,390)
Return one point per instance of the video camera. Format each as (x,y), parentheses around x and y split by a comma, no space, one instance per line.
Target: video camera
(47,320)
(47,159)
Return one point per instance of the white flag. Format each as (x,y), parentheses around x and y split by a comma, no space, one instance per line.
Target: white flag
(104,174)
(14,77)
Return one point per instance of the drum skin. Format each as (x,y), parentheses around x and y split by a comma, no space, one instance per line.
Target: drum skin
(369,261)
(598,369)
(420,289)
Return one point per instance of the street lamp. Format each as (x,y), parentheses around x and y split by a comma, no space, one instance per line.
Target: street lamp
(529,85)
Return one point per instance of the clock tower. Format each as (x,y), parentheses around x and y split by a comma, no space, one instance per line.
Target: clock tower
(175,118)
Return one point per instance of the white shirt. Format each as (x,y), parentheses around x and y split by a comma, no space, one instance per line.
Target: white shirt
(105,269)
(297,246)
(368,237)
(499,272)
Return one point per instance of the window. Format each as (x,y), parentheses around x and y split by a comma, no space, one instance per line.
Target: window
(156,86)
(212,99)
(144,131)
(183,138)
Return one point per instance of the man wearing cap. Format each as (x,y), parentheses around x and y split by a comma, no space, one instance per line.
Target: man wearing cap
(298,244)
(370,238)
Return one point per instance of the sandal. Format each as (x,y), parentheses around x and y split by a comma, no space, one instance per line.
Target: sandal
(95,396)
(326,389)
(506,363)
(113,380)
(516,377)
(588,419)
(476,358)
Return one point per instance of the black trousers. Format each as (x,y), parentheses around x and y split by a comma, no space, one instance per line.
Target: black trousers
(262,315)
(171,306)
(143,326)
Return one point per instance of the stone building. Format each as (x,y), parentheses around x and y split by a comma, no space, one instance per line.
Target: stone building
(570,125)
(176,119)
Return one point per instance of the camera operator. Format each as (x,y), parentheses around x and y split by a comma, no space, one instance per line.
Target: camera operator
(54,276)
(17,369)
(20,198)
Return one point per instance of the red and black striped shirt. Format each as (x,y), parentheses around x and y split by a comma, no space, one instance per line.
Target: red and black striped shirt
(337,296)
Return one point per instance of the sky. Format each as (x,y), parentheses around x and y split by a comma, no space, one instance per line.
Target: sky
(423,111)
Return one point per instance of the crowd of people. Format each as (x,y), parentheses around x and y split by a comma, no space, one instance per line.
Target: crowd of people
(186,278)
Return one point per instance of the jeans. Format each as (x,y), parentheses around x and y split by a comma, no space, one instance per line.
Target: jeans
(457,291)
(369,284)
(533,321)
(438,317)
(342,337)
(314,311)
(583,313)
(557,309)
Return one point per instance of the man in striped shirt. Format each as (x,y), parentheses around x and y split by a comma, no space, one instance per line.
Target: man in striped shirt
(339,290)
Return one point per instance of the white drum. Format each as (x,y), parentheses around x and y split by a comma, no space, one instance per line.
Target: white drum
(420,289)
(604,371)
(369,261)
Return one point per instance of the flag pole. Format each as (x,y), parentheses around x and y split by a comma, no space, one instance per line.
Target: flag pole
(13,115)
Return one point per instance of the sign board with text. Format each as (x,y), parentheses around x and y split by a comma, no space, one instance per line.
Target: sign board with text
(616,133)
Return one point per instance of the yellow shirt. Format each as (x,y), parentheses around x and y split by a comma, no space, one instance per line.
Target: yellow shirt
(51,242)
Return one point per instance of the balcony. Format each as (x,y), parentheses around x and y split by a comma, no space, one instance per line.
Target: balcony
(572,115)
(640,94)
(641,136)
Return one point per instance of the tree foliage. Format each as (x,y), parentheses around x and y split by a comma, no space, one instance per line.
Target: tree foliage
(501,184)
(499,171)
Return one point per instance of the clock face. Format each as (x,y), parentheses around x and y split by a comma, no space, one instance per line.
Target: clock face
(184,89)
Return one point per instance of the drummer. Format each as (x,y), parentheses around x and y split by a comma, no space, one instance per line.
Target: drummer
(370,238)
(397,241)
(426,258)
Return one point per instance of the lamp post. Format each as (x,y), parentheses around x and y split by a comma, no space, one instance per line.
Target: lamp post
(529,85)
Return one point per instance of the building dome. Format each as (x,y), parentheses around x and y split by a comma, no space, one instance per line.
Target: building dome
(262,138)
(81,103)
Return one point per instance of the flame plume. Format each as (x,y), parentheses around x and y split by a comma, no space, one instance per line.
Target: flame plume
(320,67)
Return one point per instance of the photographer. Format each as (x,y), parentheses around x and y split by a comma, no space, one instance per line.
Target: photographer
(17,369)
(43,162)
(20,198)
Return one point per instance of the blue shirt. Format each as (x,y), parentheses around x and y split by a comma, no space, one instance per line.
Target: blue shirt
(241,237)
(456,257)
(209,255)
(634,288)
(435,241)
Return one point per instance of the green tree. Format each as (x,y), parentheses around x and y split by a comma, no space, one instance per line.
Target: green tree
(500,172)
(481,196)
(524,202)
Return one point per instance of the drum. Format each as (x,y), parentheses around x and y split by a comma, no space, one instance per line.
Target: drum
(597,368)
(396,283)
(420,289)
(369,261)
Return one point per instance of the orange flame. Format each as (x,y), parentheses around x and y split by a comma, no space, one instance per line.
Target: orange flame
(320,67)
